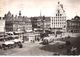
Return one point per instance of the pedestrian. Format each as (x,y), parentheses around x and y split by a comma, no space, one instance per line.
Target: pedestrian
(33,41)
(73,51)
(35,38)
(38,39)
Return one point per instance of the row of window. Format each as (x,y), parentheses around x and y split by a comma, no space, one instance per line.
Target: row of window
(59,17)
(59,23)
(75,31)
(58,14)
(57,26)
(74,27)
(74,24)
(58,20)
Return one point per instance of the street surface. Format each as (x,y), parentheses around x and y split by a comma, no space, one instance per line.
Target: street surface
(33,49)
(28,49)
(36,49)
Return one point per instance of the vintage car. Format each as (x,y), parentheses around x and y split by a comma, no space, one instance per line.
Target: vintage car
(47,40)
(6,43)
(10,41)
(17,40)
(15,36)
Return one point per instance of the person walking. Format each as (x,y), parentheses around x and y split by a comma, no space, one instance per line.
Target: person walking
(73,51)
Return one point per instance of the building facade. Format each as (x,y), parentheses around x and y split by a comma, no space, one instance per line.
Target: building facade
(73,25)
(2,24)
(8,21)
(58,22)
(47,23)
(40,23)
(17,23)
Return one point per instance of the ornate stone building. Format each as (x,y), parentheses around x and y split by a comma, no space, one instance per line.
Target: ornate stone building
(9,21)
(73,25)
(39,24)
(47,23)
(17,23)
(58,23)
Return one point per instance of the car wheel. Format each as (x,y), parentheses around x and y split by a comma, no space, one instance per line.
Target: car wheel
(20,46)
(47,42)
(3,47)
(0,47)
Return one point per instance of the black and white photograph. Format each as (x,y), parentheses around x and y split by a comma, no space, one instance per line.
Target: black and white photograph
(39,27)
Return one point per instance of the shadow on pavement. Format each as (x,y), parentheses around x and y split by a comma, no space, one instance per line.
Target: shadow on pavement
(75,42)
(53,48)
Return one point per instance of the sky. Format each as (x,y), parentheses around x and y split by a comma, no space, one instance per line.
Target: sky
(34,7)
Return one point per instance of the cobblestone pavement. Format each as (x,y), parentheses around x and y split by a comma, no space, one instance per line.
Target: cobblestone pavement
(28,49)
(34,49)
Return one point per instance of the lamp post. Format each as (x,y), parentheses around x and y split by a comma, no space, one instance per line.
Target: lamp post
(4,31)
(24,31)
(55,27)
(43,24)
(42,34)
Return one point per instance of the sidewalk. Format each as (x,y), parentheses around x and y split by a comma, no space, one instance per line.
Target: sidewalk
(34,42)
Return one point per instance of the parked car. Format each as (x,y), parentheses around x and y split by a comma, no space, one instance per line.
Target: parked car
(6,43)
(10,41)
(17,40)
(47,40)
(1,42)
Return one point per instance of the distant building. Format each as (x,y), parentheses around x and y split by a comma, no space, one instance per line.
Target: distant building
(2,24)
(58,23)
(47,23)
(36,22)
(73,25)
(8,21)
(39,24)
(31,37)
(17,23)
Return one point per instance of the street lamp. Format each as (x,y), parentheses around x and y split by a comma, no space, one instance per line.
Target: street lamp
(43,24)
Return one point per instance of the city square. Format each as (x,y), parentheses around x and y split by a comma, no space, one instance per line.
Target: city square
(23,35)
